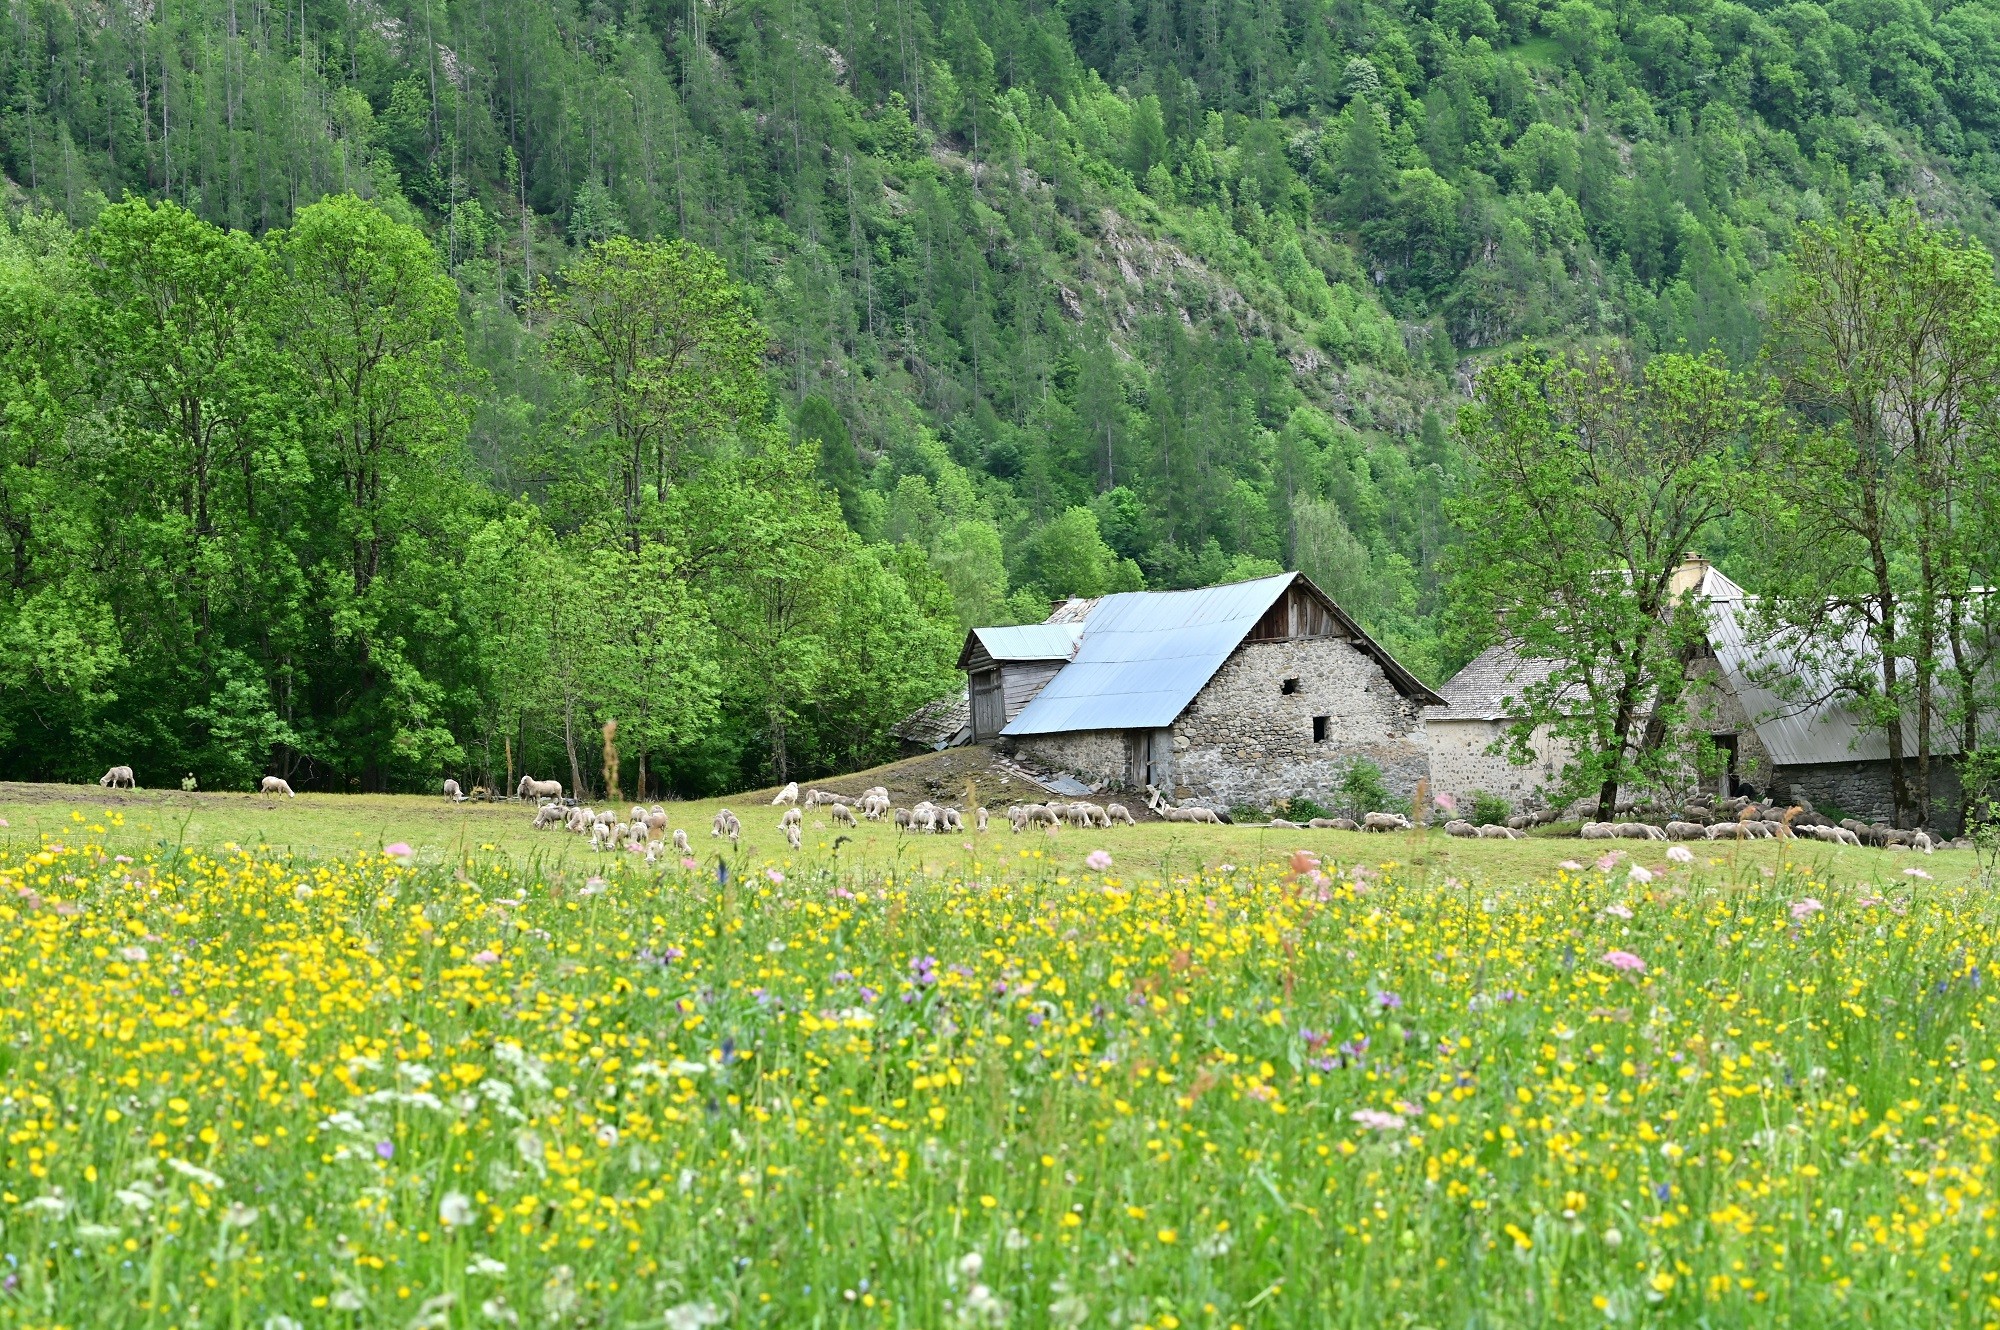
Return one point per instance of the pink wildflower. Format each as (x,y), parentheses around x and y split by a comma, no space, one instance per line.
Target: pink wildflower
(1610,861)
(775,876)
(486,957)
(1097,860)
(1805,908)
(1376,1120)
(1624,960)
(398,850)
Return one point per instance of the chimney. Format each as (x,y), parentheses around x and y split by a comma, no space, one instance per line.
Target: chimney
(1687,577)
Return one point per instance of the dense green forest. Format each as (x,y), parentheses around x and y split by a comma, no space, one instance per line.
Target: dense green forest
(1054,299)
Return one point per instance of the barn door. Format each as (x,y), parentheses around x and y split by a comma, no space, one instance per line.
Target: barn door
(989,706)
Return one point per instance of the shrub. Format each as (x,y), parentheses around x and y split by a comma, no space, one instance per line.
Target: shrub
(1301,809)
(1489,808)
(1361,789)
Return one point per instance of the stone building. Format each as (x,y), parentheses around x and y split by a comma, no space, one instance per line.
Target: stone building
(1781,730)
(1239,694)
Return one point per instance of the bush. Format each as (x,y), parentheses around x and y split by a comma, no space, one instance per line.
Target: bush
(1489,808)
(1361,789)
(1301,809)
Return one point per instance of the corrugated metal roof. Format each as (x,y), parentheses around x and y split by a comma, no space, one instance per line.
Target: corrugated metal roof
(1807,728)
(1031,641)
(1145,654)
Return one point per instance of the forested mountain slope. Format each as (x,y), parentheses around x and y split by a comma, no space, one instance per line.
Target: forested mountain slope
(1066,297)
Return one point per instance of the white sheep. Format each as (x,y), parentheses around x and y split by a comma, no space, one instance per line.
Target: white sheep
(1458,826)
(1494,831)
(792,818)
(452,792)
(949,819)
(1686,831)
(530,788)
(788,795)
(549,815)
(276,785)
(1599,831)
(118,778)
(794,837)
(1120,813)
(726,824)
(600,835)
(1640,831)
(979,817)
(579,819)
(1334,824)
(844,816)
(656,818)
(1384,822)
(681,843)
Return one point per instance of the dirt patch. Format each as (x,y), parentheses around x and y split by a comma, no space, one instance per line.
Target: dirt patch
(942,777)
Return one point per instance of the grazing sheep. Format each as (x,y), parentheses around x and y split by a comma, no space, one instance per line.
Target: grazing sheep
(276,785)
(1922,841)
(725,824)
(1835,835)
(924,818)
(949,819)
(902,818)
(549,815)
(1335,824)
(1494,831)
(681,843)
(1120,813)
(600,835)
(1776,828)
(794,837)
(656,818)
(118,778)
(844,816)
(1385,822)
(452,792)
(792,818)
(1639,831)
(607,815)
(1458,826)
(1678,830)
(978,817)
(1599,831)
(1281,822)
(874,806)
(788,795)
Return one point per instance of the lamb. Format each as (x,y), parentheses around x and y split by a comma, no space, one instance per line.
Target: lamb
(725,824)
(1458,826)
(844,816)
(276,785)
(1686,831)
(1494,831)
(788,795)
(681,843)
(1120,813)
(794,837)
(1335,823)
(530,788)
(118,778)
(452,792)
(1385,822)
(792,818)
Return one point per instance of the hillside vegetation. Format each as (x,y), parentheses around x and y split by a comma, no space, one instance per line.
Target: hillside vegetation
(1054,300)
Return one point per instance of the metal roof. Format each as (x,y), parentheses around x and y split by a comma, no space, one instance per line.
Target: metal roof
(1145,654)
(1027,641)
(1811,727)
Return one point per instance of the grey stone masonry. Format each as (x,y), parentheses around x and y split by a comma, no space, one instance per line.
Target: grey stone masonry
(1287,718)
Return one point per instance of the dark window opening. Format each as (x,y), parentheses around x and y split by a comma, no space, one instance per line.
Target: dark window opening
(1320,724)
(1288,687)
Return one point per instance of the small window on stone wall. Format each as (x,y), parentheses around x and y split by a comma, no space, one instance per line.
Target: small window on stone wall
(1320,726)
(1288,687)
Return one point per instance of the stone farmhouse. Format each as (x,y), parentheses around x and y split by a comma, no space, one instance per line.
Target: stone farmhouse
(1808,742)
(1239,694)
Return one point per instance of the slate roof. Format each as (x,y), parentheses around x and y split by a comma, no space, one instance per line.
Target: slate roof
(1145,654)
(945,723)
(1489,682)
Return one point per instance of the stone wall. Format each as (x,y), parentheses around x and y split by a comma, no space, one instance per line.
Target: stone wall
(1244,740)
(1461,766)
(1096,757)
(1861,789)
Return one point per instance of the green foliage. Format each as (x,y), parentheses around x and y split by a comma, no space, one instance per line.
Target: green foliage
(1362,790)
(1489,808)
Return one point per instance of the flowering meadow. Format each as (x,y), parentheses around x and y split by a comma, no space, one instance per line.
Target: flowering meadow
(242,1090)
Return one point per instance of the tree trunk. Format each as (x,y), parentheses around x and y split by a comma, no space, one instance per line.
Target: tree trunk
(569,743)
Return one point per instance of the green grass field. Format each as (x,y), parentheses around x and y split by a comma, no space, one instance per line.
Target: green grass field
(322,825)
(1206,1080)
